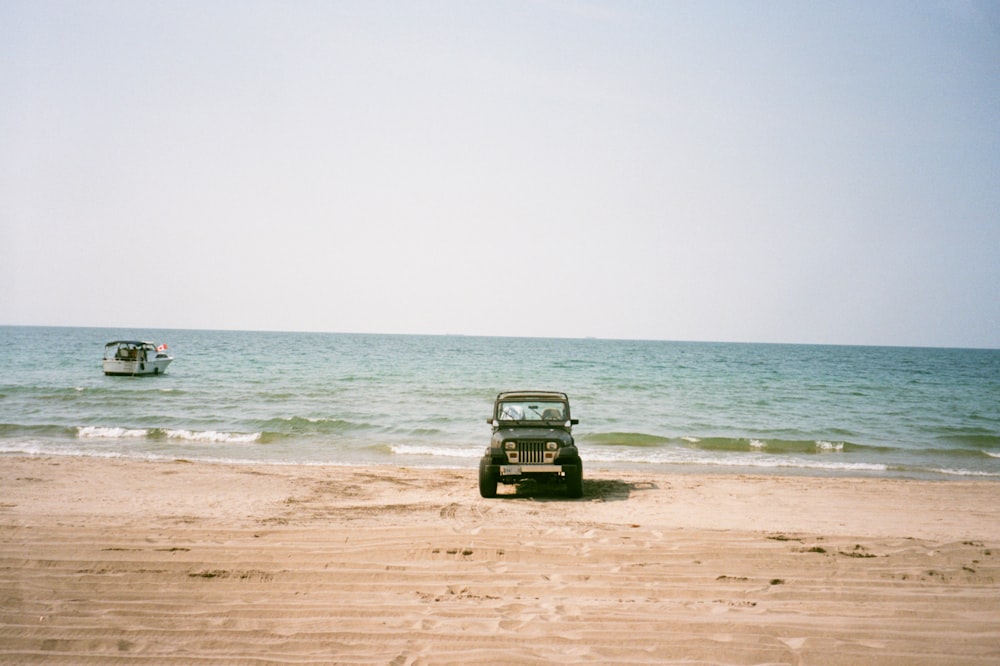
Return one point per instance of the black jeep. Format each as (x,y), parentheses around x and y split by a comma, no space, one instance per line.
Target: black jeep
(532,438)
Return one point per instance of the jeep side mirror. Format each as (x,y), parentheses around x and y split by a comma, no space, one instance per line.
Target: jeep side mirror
(493,422)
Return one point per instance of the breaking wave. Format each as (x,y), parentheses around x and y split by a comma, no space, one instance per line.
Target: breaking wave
(636,439)
(210,436)
(721,444)
(213,436)
(98,432)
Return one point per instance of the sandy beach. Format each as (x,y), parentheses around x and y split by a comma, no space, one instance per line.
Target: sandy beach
(111,561)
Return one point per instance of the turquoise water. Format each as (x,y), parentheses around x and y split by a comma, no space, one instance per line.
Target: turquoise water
(424,400)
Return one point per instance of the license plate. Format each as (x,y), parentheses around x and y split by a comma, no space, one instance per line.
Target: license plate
(510,470)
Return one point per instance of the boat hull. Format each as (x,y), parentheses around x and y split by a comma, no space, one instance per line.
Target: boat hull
(116,367)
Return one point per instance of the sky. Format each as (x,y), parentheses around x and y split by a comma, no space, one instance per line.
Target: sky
(802,172)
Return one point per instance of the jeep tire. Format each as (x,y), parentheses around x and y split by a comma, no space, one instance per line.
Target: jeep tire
(574,481)
(488,478)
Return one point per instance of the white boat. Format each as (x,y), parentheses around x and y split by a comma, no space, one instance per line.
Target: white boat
(135,357)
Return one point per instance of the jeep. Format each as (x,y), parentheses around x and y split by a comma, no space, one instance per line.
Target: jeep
(532,438)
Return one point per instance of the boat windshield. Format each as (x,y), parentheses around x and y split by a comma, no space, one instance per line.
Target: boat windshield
(531,410)
(127,350)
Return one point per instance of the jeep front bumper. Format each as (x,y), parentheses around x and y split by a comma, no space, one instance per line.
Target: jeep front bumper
(517,470)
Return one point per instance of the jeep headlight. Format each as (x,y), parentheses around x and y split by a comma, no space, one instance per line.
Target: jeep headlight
(510,446)
(551,446)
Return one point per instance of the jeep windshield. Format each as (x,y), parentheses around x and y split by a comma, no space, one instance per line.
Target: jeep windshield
(531,410)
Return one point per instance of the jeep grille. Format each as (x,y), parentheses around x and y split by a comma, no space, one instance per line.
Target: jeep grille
(531,452)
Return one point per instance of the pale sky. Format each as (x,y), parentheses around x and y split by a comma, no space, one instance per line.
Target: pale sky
(737,171)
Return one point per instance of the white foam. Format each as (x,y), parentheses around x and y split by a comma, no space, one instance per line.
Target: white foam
(99,432)
(852,467)
(992,454)
(964,472)
(41,447)
(694,457)
(757,444)
(213,436)
(829,446)
(415,450)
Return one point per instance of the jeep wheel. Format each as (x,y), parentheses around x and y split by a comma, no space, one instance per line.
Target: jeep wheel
(574,481)
(487,480)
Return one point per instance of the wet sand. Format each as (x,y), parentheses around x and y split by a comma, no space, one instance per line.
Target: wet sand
(111,561)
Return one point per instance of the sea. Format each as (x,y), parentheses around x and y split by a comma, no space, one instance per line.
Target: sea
(424,401)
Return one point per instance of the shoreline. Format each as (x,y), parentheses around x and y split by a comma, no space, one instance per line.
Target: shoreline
(187,562)
(775,470)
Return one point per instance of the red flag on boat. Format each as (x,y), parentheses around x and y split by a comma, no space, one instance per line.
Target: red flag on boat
(162,347)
